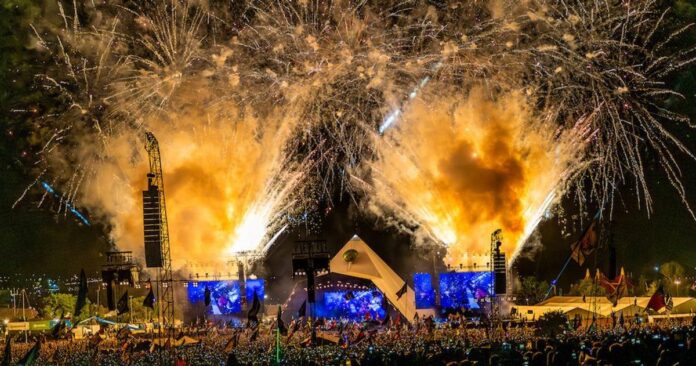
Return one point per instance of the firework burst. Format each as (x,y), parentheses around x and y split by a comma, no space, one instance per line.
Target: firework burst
(279,107)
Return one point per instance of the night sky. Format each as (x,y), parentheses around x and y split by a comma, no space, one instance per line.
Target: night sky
(36,239)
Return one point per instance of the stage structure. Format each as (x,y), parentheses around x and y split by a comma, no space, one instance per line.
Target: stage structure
(357,259)
(156,237)
(244,260)
(310,259)
(119,270)
(499,264)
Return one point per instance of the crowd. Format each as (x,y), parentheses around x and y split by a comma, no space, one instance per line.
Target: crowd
(426,343)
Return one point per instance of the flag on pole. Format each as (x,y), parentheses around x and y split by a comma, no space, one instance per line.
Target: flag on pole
(669,304)
(55,332)
(303,310)
(122,306)
(7,355)
(252,314)
(616,289)
(81,294)
(149,300)
(387,317)
(31,356)
(401,291)
(587,243)
(207,296)
(254,333)
(657,300)
(279,322)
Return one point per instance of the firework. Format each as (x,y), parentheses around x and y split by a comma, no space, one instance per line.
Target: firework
(448,121)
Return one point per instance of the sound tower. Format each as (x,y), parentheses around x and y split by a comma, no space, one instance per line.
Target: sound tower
(500,273)
(498,263)
(152,224)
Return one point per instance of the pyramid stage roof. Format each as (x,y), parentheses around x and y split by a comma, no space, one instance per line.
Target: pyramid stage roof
(368,265)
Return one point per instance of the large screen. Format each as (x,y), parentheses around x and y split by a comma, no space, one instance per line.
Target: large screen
(425,294)
(254,286)
(352,305)
(225,296)
(464,289)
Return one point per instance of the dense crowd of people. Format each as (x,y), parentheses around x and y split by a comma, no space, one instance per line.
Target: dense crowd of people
(426,342)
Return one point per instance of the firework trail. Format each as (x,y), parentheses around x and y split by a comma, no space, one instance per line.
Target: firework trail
(448,120)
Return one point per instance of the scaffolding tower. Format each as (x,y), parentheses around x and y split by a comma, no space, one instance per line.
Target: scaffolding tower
(165,290)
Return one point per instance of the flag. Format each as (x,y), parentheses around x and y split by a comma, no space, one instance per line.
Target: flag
(149,300)
(294,326)
(657,300)
(232,343)
(254,334)
(55,332)
(207,296)
(593,325)
(123,333)
(7,355)
(95,339)
(616,289)
(621,319)
(31,356)
(613,320)
(279,322)
(252,314)
(669,304)
(386,319)
(582,248)
(401,291)
(81,294)
(303,310)
(122,306)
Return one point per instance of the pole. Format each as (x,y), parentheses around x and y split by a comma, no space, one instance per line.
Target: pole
(130,306)
(555,281)
(24,316)
(99,286)
(278,344)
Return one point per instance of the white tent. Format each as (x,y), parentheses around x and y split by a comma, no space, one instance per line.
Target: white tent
(368,265)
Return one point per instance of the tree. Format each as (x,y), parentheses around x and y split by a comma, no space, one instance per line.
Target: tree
(532,290)
(587,287)
(54,305)
(673,274)
(142,313)
(552,323)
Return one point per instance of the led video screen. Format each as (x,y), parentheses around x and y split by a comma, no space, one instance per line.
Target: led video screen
(464,289)
(225,296)
(351,304)
(425,294)
(252,286)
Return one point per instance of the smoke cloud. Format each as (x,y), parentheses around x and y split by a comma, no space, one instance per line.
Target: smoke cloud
(461,166)
(224,173)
